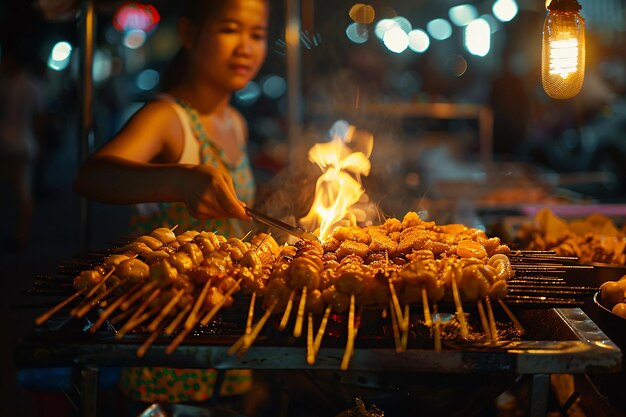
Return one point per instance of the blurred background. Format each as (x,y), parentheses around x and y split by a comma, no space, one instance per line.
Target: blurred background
(453,96)
(450,89)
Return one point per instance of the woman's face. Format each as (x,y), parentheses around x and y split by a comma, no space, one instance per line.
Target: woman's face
(230,49)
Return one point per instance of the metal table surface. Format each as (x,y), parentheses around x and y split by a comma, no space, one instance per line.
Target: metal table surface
(560,340)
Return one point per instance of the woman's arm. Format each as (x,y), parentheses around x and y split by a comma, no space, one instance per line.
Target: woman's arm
(116,180)
(123,171)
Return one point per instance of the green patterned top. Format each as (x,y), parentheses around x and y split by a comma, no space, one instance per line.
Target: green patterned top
(148,217)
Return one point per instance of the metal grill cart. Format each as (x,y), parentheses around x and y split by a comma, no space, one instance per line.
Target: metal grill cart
(558,340)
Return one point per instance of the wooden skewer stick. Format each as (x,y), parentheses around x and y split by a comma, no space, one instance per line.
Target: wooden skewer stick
(250,313)
(238,344)
(100,284)
(191,319)
(437,330)
(166,310)
(134,323)
(138,294)
(177,320)
(123,315)
(511,316)
(492,320)
(287,313)
(83,308)
(248,340)
(137,318)
(241,346)
(268,234)
(177,340)
(396,304)
(427,317)
(246,235)
(483,320)
(145,304)
(357,321)
(405,328)
(173,228)
(310,349)
(45,316)
(347,354)
(112,307)
(320,332)
(180,336)
(297,328)
(459,309)
(263,240)
(394,327)
(219,305)
(149,341)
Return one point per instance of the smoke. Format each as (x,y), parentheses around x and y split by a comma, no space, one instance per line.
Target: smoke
(289,194)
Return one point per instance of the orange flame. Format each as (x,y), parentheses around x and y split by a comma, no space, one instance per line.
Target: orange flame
(343,160)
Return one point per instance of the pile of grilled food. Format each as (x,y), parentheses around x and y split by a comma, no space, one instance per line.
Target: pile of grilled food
(170,284)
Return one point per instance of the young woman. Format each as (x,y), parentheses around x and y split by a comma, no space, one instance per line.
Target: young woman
(183,158)
(188,147)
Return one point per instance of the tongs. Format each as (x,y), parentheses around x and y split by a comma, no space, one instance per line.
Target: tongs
(271,221)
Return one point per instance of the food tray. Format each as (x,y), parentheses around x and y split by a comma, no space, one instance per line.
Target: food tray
(613,325)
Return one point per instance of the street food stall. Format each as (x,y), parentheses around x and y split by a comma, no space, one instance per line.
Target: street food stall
(421,311)
(384,310)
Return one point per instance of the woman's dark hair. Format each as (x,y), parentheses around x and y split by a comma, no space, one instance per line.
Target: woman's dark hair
(199,12)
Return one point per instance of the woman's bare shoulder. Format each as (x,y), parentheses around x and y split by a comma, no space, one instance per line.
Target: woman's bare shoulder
(156,115)
(158,108)
(154,131)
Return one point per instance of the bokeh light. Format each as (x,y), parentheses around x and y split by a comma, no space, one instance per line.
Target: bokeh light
(383,26)
(396,40)
(403,23)
(439,29)
(456,65)
(134,39)
(249,94)
(273,86)
(362,13)
(462,14)
(478,37)
(147,79)
(357,33)
(418,40)
(505,10)
(60,56)
(102,65)
(131,16)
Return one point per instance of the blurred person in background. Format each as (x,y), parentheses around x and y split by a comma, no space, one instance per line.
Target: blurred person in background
(20,125)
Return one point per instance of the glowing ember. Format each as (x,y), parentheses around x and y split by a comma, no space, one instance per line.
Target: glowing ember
(343,160)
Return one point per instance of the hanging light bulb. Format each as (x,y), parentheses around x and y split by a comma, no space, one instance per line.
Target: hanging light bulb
(563,50)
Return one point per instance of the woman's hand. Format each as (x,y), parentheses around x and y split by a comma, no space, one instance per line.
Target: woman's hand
(209,193)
